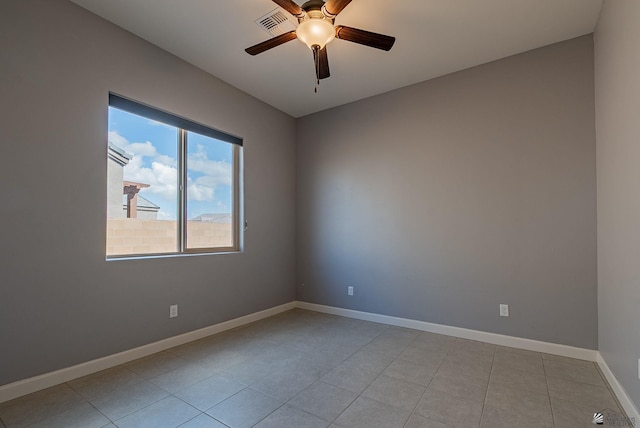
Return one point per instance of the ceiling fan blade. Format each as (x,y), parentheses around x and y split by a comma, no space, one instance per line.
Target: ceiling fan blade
(367,38)
(321,60)
(290,7)
(271,43)
(334,7)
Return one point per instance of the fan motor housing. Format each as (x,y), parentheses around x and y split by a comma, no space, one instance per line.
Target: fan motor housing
(312,5)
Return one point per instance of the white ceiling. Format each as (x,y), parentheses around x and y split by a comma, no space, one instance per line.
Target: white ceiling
(433,38)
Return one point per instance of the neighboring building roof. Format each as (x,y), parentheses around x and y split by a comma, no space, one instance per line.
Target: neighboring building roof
(118,155)
(144,204)
(213,218)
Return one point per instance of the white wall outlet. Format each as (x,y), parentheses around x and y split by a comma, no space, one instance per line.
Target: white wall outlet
(504,310)
(638,368)
(173,311)
(350,290)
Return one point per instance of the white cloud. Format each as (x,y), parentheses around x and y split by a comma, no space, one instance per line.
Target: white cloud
(215,172)
(162,174)
(166,178)
(117,139)
(167,160)
(161,178)
(198,192)
(143,149)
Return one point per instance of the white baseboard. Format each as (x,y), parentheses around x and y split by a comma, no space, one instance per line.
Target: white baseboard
(36,383)
(497,339)
(627,404)
(482,336)
(27,386)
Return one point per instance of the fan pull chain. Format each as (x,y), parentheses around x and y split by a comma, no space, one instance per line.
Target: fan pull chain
(316,60)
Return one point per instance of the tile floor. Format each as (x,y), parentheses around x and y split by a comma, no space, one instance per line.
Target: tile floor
(304,369)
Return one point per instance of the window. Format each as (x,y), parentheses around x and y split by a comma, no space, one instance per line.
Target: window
(173,185)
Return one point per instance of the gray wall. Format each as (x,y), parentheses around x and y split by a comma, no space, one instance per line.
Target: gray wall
(617,83)
(437,201)
(61,303)
(441,200)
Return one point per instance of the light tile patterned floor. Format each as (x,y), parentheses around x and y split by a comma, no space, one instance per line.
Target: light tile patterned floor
(304,369)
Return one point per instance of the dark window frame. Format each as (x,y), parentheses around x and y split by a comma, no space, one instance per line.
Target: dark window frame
(184,126)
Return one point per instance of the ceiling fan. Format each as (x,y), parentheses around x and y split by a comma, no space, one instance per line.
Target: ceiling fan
(316,29)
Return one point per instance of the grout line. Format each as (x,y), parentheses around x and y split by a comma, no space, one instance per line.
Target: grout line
(486,394)
(345,409)
(98,410)
(141,408)
(272,412)
(430,380)
(369,384)
(217,420)
(308,413)
(546,381)
(352,354)
(411,412)
(186,422)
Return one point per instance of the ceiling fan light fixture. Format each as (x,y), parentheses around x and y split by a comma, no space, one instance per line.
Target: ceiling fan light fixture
(316,32)
(316,29)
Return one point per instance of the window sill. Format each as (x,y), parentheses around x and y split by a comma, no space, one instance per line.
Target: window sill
(171,255)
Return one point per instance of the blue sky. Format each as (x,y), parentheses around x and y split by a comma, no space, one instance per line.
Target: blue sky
(155,152)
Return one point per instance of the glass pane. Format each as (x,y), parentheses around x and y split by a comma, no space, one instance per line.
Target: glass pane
(142,179)
(209,192)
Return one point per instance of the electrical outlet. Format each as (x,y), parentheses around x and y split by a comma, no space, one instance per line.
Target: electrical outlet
(350,290)
(173,311)
(504,310)
(638,368)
